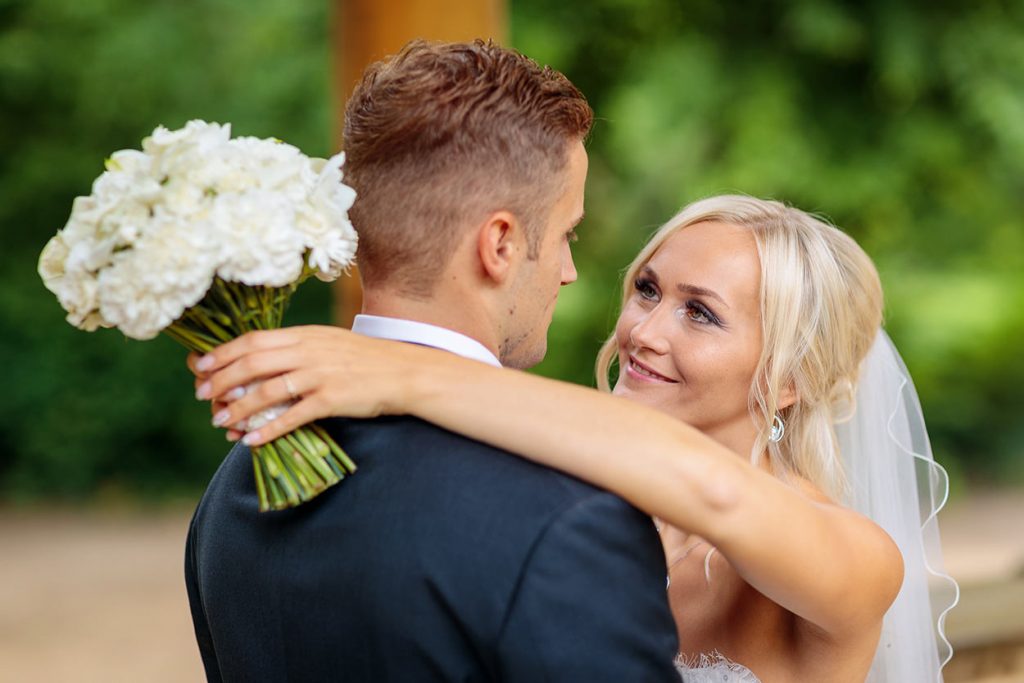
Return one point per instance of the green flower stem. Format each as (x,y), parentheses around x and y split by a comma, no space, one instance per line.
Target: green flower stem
(261,484)
(196,332)
(345,461)
(173,334)
(322,449)
(281,474)
(306,475)
(275,477)
(311,460)
(312,443)
(287,479)
(303,487)
(293,468)
(276,500)
(199,316)
(192,340)
(252,300)
(218,318)
(225,295)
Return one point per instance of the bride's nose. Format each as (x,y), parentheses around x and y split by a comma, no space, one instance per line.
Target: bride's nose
(649,331)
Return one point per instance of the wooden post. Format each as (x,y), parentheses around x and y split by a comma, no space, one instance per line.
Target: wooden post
(364,31)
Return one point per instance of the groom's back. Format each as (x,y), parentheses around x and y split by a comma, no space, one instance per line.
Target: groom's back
(440,559)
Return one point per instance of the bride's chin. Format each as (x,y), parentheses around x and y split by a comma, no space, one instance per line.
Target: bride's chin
(635,394)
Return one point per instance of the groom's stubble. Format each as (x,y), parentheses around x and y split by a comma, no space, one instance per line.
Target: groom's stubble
(535,295)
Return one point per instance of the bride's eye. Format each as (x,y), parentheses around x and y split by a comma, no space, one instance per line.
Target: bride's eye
(699,313)
(646,289)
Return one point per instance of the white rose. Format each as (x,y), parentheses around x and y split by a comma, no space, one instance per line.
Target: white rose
(82,221)
(51,262)
(149,287)
(324,221)
(269,165)
(76,291)
(178,154)
(185,198)
(196,135)
(160,223)
(258,243)
(130,161)
(91,322)
(79,296)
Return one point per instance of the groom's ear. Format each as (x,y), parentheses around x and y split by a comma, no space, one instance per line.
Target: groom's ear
(498,244)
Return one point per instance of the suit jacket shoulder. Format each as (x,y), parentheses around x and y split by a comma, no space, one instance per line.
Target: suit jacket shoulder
(439,554)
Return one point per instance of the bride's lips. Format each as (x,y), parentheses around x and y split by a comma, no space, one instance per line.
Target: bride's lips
(644,373)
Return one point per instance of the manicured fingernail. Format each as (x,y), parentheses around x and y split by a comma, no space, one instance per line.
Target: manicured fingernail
(204,363)
(221,418)
(251,438)
(203,392)
(231,437)
(236,393)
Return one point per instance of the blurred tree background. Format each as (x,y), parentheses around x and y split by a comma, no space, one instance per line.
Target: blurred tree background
(900,120)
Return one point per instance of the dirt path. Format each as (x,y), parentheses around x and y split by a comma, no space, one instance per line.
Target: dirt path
(93,596)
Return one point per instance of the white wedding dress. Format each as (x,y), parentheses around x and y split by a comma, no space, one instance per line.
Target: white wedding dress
(714,668)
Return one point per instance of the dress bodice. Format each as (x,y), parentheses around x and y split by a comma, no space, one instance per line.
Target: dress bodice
(713,668)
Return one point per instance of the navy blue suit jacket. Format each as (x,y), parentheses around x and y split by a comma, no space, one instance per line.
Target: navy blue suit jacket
(440,559)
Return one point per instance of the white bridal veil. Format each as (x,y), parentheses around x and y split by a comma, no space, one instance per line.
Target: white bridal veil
(895,481)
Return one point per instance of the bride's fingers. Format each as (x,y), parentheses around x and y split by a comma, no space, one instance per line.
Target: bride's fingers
(229,352)
(303,412)
(190,360)
(247,369)
(217,406)
(270,392)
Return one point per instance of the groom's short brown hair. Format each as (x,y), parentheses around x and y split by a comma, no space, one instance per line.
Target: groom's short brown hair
(442,134)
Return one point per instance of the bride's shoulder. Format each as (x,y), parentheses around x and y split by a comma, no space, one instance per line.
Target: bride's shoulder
(809,489)
(851,521)
(880,562)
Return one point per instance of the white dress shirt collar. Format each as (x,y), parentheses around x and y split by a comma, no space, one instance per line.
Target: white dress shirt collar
(415,332)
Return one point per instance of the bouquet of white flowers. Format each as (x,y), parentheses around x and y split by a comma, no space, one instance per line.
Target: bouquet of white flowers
(204,238)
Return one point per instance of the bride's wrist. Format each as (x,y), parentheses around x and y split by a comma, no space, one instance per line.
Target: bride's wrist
(412,383)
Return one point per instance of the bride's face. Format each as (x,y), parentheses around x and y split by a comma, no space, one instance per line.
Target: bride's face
(689,337)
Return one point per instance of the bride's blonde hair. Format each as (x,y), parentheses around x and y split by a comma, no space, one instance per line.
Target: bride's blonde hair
(821,307)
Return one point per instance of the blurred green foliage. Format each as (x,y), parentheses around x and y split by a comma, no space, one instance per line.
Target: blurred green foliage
(902,121)
(79,79)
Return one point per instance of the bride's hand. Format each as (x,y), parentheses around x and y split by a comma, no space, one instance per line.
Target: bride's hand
(327,371)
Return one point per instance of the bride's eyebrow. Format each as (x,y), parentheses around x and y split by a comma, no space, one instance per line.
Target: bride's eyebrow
(694,290)
(685,288)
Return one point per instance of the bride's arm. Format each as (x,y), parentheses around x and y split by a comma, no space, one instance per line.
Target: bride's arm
(826,564)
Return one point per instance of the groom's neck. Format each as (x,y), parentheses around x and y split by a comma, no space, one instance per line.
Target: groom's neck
(462,316)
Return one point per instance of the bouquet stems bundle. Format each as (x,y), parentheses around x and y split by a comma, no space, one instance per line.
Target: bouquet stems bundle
(297,466)
(205,237)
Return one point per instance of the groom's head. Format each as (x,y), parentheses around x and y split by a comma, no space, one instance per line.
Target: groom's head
(469,165)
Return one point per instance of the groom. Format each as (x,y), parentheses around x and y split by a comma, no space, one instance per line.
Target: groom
(442,559)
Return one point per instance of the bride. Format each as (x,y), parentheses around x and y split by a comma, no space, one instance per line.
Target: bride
(768,426)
